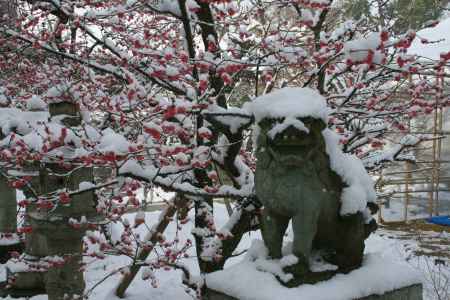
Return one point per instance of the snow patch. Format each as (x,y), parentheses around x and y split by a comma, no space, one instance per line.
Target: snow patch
(113,142)
(358,50)
(289,121)
(359,188)
(36,104)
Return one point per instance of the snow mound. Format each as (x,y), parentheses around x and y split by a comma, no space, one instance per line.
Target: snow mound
(438,33)
(48,133)
(10,239)
(358,50)
(113,142)
(289,102)
(21,122)
(378,275)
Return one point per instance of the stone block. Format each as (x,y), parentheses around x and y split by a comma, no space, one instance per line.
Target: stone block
(8,207)
(413,292)
(257,277)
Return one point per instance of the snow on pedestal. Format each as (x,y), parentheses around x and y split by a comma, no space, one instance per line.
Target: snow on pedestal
(378,278)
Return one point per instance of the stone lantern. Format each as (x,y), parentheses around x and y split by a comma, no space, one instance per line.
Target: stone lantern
(52,236)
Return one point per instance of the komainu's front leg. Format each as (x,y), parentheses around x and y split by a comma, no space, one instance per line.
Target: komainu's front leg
(273,227)
(305,228)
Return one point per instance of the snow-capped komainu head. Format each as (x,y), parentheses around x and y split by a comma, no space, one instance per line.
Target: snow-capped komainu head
(292,132)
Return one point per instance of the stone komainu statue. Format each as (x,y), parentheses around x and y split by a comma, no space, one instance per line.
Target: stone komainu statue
(294,180)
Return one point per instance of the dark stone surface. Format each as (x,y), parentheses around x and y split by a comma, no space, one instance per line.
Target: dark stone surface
(22,293)
(8,207)
(62,240)
(214,295)
(7,249)
(413,292)
(51,179)
(69,109)
(8,220)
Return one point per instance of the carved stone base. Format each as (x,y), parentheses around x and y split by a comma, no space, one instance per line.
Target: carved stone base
(22,284)
(14,293)
(58,280)
(413,292)
(256,278)
(27,281)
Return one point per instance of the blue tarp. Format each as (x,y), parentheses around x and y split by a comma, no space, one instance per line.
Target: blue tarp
(443,220)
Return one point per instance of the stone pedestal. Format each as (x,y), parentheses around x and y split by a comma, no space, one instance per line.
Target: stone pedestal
(9,241)
(67,278)
(413,292)
(26,284)
(379,278)
(8,207)
(53,236)
(50,240)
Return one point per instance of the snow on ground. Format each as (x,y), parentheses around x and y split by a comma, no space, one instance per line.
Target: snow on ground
(418,208)
(396,211)
(426,247)
(384,243)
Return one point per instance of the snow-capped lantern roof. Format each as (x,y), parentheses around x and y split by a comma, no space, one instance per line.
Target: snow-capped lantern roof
(289,102)
(35,103)
(63,92)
